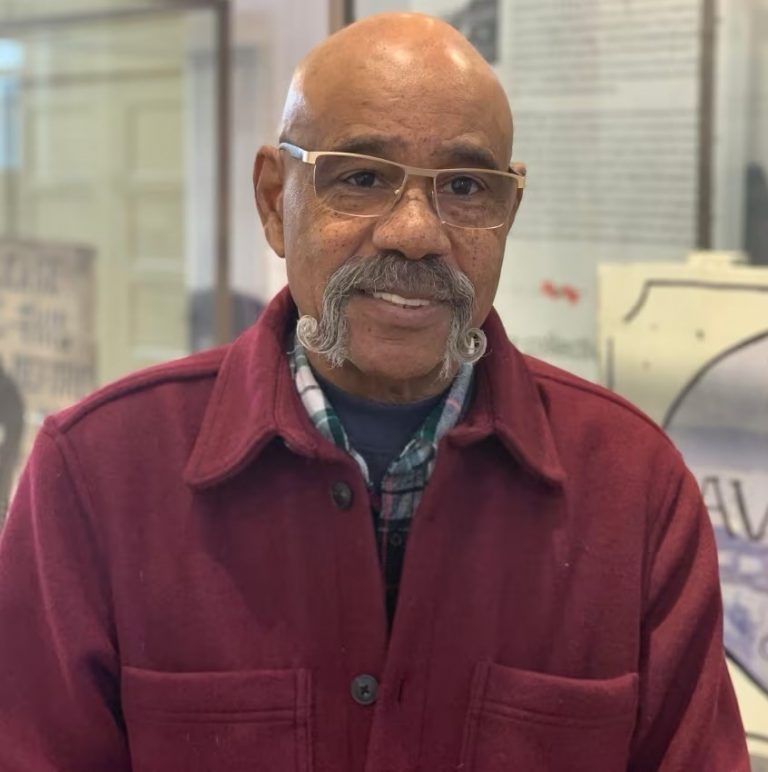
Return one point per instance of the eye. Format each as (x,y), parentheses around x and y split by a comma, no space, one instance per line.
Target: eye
(362,179)
(462,185)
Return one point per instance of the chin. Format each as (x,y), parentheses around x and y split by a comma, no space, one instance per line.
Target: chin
(397,362)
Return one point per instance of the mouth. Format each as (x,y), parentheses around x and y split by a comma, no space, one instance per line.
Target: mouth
(399,300)
(391,310)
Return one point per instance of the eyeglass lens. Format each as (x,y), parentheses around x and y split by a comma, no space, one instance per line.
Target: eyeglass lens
(368,187)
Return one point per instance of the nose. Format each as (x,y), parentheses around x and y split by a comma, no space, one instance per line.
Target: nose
(412,226)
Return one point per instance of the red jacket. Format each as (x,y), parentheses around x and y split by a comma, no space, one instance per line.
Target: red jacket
(189,581)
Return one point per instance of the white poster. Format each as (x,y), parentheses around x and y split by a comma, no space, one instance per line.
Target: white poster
(606,99)
(605,95)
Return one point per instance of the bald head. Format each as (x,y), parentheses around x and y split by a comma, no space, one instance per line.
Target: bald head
(406,58)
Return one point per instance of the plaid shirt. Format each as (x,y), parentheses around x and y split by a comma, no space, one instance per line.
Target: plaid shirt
(406,477)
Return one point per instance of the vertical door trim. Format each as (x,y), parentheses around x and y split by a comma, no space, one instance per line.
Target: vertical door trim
(706,125)
(222,293)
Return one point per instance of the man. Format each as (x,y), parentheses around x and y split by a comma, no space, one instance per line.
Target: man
(205,565)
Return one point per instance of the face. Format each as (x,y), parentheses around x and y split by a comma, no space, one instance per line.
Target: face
(425,122)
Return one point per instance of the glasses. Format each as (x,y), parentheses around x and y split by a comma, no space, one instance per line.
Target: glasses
(366,186)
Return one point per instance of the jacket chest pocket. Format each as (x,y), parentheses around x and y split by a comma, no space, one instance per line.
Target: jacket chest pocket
(255,720)
(532,722)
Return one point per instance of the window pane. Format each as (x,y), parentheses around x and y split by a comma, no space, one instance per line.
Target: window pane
(107,205)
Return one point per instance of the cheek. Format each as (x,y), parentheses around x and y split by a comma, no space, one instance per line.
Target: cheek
(481,260)
(337,239)
(324,237)
(317,243)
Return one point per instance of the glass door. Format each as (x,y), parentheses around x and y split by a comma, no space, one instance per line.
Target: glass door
(108,204)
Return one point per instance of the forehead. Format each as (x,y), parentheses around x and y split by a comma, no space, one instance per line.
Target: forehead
(471,149)
(417,120)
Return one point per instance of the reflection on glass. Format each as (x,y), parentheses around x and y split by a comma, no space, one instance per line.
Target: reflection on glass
(107,172)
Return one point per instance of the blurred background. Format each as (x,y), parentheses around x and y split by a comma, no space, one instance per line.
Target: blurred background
(128,234)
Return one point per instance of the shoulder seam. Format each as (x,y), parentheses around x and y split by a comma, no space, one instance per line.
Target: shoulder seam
(605,394)
(53,431)
(77,482)
(165,373)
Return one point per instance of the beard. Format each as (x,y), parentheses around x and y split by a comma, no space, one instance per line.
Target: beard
(430,278)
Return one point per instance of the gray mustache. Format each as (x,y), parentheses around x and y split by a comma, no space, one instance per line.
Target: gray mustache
(430,278)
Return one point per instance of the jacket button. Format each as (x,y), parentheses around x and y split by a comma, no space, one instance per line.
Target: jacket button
(364,689)
(341,494)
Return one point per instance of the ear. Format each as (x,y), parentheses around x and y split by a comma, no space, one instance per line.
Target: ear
(268,189)
(518,168)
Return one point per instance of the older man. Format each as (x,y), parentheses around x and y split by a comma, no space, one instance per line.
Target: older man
(205,567)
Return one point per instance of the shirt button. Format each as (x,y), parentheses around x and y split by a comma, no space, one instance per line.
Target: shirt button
(341,494)
(364,689)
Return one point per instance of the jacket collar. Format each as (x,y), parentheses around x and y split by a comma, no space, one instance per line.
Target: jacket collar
(254,401)
(509,404)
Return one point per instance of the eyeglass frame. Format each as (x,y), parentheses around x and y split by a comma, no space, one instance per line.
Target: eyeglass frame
(310,157)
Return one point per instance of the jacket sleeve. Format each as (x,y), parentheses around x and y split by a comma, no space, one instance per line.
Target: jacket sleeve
(688,716)
(59,686)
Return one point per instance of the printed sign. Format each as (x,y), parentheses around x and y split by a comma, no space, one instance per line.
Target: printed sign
(47,349)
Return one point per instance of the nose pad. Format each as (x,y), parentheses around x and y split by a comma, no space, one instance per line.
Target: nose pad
(412,226)
(427,191)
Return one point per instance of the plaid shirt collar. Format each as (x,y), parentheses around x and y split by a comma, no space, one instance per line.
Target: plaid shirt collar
(406,477)
(417,457)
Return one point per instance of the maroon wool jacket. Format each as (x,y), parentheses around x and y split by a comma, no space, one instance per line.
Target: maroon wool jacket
(189,582)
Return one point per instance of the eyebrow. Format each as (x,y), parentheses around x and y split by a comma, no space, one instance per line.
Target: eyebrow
(369,144)
(457,154)
(470,155)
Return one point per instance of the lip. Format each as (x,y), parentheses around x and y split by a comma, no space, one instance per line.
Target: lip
(408,317)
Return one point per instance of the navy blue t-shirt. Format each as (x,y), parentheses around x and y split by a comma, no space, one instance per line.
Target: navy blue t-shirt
(378,431)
